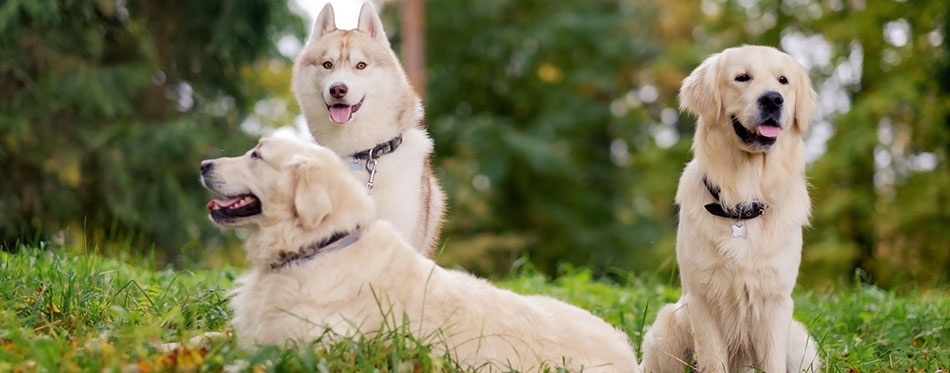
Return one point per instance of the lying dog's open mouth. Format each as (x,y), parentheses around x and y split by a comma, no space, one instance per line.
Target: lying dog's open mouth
(234,208)
(765,133)
(342,113)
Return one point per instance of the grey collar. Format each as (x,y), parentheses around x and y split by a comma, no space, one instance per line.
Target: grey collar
(304,254)
(380,150)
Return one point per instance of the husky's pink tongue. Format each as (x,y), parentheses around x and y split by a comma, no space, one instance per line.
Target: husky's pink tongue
(340,113)
(768,131)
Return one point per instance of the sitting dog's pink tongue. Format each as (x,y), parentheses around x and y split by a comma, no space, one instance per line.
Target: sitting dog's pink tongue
(340,113)
(768,131)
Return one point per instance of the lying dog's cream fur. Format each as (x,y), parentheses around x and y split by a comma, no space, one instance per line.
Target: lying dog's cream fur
(306,195)
(736,308)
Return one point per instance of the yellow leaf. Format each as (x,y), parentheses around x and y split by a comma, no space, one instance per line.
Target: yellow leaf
(181,358)
(549,73)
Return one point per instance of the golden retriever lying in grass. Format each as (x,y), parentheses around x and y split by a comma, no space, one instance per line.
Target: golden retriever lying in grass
(743,201)
(322,262)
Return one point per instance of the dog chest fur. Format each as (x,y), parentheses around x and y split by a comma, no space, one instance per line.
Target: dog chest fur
(399,180)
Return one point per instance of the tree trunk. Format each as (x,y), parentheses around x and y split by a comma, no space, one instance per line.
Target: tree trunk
(413,44)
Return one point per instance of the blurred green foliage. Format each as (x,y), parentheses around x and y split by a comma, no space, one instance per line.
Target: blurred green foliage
(106,109)
(557,132)
(519,106)
(556,123)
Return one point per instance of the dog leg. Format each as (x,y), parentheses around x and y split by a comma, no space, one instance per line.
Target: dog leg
(773,334)
(802,350)
(708,347)
(666,345)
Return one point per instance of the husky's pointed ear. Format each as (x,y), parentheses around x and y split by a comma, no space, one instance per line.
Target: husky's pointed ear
(325,24)
(312,203)
(700,91)
(370,22)
(806,100)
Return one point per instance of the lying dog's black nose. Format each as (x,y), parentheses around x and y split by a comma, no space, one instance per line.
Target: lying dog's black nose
(338,90)
(771,101)
(205,166)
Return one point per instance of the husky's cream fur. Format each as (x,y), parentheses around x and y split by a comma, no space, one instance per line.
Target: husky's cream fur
(306,194)
(736,308)
(381,105)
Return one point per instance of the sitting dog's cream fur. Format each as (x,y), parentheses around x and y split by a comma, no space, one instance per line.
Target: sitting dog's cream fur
(306,194)
(754,104)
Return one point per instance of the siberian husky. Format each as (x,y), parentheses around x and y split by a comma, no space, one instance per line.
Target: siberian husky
(358,103)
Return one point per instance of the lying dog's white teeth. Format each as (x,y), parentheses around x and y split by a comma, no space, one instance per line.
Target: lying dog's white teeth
(243,202)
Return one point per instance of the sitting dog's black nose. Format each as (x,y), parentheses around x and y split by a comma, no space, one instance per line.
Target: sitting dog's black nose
(771,101)
(338,90)
(205,166)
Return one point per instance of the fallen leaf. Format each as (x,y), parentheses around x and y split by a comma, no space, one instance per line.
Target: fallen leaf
(181,358)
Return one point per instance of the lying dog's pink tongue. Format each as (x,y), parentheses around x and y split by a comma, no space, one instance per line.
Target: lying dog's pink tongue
(768,131)
(222,204)
(341,113)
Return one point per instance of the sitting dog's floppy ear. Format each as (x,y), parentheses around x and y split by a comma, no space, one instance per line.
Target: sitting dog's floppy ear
(311,201)
(700,91)
(806,100)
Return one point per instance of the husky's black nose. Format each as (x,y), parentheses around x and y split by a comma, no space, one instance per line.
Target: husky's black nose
(205,166)
(338,90)
(771,101)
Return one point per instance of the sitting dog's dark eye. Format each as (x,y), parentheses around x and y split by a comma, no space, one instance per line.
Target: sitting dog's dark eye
(743,78)
(361,66)
(328,65)
(255,154)
(782,79)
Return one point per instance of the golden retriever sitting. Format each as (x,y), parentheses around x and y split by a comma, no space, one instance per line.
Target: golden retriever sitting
(323,262)
(743,201)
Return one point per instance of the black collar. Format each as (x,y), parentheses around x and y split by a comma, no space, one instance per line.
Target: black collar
(742,211)
(338,241)
(381,149)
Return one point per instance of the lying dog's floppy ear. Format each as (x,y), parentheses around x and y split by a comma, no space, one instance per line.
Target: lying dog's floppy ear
(806,100)
(700,90)
(311,201)
(370,22)
(325,24)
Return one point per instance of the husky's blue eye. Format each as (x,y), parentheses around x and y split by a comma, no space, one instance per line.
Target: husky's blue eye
(743,77)
(328,65)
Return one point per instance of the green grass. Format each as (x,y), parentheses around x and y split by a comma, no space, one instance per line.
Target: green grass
(69,311)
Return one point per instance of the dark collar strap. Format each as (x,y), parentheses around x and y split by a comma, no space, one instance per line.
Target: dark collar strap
(303,254)
(381,149)
(742,211)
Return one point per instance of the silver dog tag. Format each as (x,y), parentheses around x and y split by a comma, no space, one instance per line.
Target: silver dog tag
(738,230)
(356,165)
